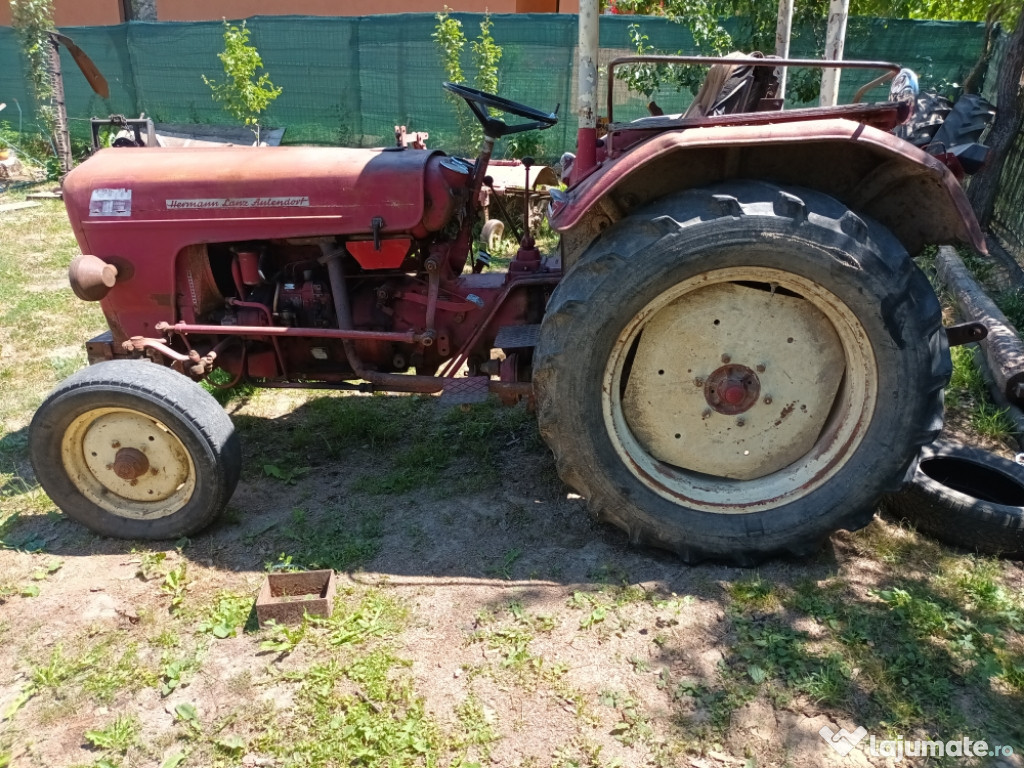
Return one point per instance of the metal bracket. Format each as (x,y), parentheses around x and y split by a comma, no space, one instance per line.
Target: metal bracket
(965,333)
(377,225)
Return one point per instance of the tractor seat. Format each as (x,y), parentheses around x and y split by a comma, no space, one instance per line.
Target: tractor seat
(728,89)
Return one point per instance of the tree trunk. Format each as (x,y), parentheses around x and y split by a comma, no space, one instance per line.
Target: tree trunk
(1008,123)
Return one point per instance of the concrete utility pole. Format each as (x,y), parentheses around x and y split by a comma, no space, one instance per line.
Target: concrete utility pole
(783,34)
(835,39)
(589,43)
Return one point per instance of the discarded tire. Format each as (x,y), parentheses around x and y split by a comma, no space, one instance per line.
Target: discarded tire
(964,496)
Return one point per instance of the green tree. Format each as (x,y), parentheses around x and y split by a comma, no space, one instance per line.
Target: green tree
(32,20)
(1008,124)
(939,10)
(451,42)
(755,23)
(244,95)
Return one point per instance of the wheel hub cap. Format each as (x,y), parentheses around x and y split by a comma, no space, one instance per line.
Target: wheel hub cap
(732,389)
(130,464)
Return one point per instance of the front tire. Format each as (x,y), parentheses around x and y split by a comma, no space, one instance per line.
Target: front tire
(739,371)
(133,450)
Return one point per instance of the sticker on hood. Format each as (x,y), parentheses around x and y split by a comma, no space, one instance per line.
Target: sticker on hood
(110,202)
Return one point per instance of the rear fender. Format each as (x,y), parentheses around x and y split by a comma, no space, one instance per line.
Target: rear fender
(870,171)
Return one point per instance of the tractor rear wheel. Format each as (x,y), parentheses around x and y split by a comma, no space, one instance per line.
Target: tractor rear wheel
(737,372)
(133,450)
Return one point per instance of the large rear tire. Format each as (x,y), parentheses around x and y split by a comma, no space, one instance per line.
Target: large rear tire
(133,450)
(737,372)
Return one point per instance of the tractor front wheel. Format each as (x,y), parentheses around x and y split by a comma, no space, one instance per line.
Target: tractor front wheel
(133,450)
(739,371)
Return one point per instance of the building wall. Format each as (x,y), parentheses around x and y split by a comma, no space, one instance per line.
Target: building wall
(206,10)
(75,13)
(96,13)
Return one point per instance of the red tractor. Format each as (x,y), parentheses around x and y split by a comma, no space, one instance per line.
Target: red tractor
(732,354)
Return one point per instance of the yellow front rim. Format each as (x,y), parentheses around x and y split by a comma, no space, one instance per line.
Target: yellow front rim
(128,463)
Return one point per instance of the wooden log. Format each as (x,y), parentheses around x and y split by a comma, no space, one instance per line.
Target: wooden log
(1003,348)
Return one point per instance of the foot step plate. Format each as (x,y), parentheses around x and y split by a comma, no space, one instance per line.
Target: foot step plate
(517,336)
(465,391)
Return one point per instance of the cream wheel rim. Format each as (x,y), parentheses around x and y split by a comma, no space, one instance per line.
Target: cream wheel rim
(128,463)
(740,389)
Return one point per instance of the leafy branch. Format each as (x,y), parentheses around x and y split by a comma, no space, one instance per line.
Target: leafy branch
(243,94)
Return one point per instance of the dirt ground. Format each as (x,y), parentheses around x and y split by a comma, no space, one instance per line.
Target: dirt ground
(453,562)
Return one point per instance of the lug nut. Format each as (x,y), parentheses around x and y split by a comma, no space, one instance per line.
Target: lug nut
(760,368)
(740,422)
(768,400)
(726,358)
(698,382)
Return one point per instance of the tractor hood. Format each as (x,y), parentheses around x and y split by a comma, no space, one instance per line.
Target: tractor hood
(258,192)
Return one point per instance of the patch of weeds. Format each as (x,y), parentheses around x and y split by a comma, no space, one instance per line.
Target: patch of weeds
(992,422)
(101,671)
(640,666)
(115,673)
(382,723)
(511,639)
(968,390)
(167,638)
(375,615)
(897,545)
(187,715)
(175,584)
(974,583)
(476,726)
(13,537)
(281,638)
(176,670)
(503,568)
(151,566)
(119,736)
(593,611)
(338,540)
(753,594)
(770,650)
(715,705)
(979,266)
(966,382)
(217,384)
(45,572)
(917,645)
(634,727)
(460,449)
(227,615)
(57,670)
(579,753)
(1012,305)
(287,475)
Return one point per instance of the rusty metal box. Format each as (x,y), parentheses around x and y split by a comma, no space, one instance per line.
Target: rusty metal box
(286,597)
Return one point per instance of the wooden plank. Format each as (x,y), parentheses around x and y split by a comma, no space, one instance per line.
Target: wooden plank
(17,206)
(44,196)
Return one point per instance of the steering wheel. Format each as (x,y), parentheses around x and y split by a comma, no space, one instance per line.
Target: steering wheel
(495,127)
